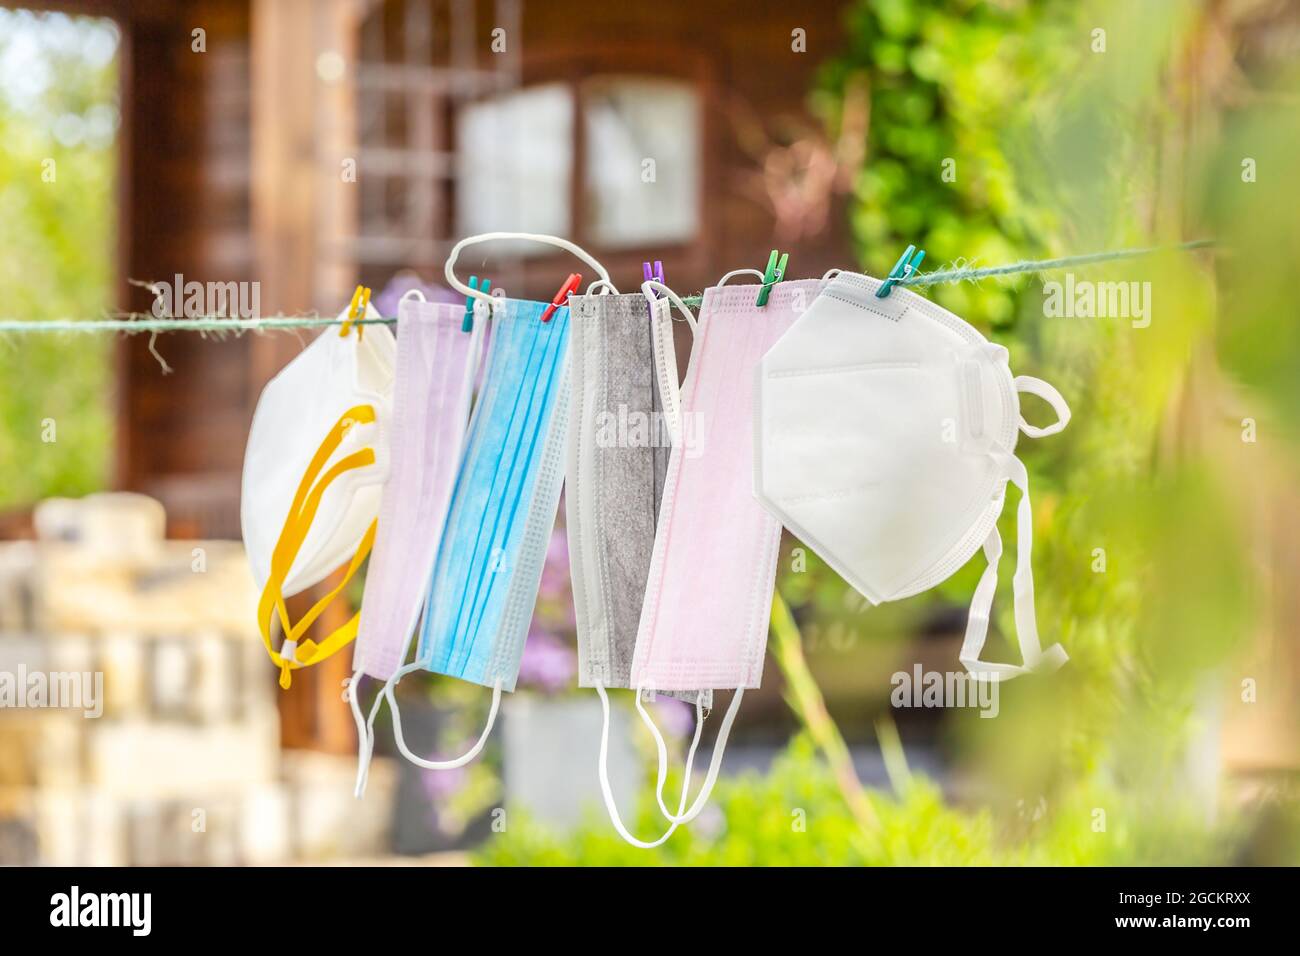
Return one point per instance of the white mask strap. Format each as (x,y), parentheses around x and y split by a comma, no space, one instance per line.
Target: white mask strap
(604,286)
(1036,386)
(450,269)
(651,286)
(977,625)
(365,735)
(387,694)
(719,748)
(740,272)
(607,791)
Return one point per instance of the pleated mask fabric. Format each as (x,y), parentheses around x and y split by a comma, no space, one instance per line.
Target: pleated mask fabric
(624,418)
(436,366)
(485,579)
(708,596)
(709,590)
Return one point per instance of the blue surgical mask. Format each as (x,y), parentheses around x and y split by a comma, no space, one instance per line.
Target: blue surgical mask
(485,579)
(484,584)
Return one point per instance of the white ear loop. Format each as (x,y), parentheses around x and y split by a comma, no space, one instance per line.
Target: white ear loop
(650,286)
(608,793)
(740,272)
(719,747)
(450,268)
(409,293)
(387,694)
(830,274)
(604,285)
(1029,385)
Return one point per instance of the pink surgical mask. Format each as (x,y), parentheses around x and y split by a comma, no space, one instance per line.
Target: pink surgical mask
(708,598)
(436,366)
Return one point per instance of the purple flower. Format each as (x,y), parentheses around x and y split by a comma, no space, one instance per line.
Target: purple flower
(555,571)
(442,784)
(402,283)
(548,663)
(676,717)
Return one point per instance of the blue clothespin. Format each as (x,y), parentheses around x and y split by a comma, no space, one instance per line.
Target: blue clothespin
(468,323)
(904,268)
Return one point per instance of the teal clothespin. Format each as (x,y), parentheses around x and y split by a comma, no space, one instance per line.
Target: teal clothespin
(904,268)
(772,275)
(468,323)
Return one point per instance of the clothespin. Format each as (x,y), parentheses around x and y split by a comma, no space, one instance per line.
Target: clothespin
(772,275)
(570,286)
(656,274)
(904,268)
(356,310)
(468,322)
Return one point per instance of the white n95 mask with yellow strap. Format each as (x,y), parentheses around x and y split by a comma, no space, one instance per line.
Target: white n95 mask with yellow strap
(314,468)
(885,438)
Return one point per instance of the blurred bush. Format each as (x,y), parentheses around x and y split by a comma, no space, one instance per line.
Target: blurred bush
(58,132)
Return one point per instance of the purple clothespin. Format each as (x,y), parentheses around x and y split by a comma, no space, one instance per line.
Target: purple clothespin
(656,274)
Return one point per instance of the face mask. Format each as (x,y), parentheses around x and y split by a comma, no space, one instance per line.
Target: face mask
(316,457)
(483,587)
(623,419)
(709,591)
(436,365)
(885,441)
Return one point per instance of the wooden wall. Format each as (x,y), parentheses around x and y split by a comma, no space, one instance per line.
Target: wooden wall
(206,196)
(185,179)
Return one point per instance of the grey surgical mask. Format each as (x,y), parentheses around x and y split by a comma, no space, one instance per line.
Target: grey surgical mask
(624,417)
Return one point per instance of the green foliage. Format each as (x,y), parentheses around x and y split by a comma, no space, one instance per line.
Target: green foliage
(58,119)
(946,84)
(794,815)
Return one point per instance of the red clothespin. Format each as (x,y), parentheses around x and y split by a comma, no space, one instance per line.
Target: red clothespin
(570,286)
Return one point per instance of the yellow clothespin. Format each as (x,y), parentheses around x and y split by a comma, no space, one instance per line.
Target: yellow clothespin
(356,310)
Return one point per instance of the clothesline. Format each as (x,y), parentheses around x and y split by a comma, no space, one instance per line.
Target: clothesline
(137,322)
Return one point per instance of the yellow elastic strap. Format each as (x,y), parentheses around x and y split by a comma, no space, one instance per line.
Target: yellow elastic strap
(356,310)
(297,524)
(356,415)
(292,538)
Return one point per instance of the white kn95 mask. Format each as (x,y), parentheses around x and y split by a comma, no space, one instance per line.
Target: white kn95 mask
(885,435)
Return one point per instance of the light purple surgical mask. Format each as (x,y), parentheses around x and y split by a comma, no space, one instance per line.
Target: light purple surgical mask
(436,366)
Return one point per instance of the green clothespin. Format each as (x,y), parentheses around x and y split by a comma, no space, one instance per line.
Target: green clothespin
(772,275)
(903,269)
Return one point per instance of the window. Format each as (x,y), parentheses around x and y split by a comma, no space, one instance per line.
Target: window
(639,168)
(642,168)
(515,163)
